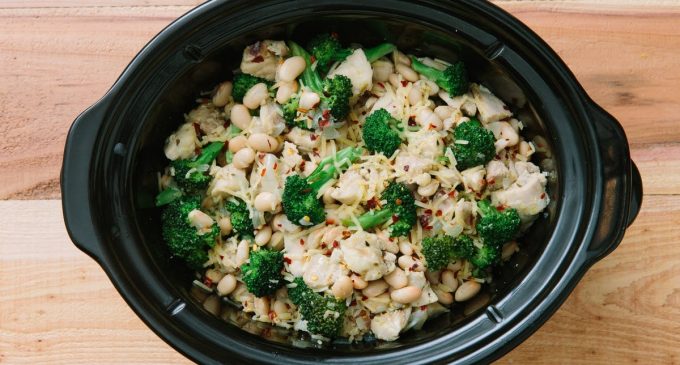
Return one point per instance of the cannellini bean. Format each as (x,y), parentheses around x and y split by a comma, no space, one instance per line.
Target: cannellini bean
(433,276)
(225,225)
(226,285)
(423,179)
(429,189)
(285,91)
(382,70)
(214,275)
(407,72)
(240,116)
(262,142)
(444,111)
(401,58)
(308,100)
(449,280)
(280,307)
(431,87)
(405,248)
(266,202)
(200,220)
(395,80)
(509,249)
(467,290)
(223,93)
(237,143)
(263,236)
(262,306)
(375,288)
(328,196)
(455,266)
(406,295)
(242,253)
(243,158)
(408,263)
(428,119)
(397,278)
(443,297)
(212,304)
(358,282)
(281,223)
(276,242)
(415,95)
(525,149)
(255,96)
(291,68)
(342,288)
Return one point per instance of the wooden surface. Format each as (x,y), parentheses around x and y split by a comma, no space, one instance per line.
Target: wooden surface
(58,57)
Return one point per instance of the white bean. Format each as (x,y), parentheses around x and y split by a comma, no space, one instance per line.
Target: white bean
(444,111)
(291,68)
(255,96)
(509,249)
(308,100)
(525,149)
(406,295)
(407,72)
(401,58)
(423,179)
(266,202)
(395,80)
(375,288)
(263,236)
(415,95)
(242,253)
(428,85)
(382,70)
(226,285)
(223,93)
(455,266)
(467,290)
(397,278)
(428,119)
(449,280)
(237,143)
(262,306)
(405,248)
(327,196)
(212,304)
(243,158)
(433,276)
(240,116)
(443,297)
(429,189)
(280,307)
(342,288)
(276,242)
(225,225)
(285,91)
(262,142)
(214,275)
(358,282)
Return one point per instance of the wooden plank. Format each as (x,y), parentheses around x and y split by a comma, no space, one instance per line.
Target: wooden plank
(57,306)
(9,4)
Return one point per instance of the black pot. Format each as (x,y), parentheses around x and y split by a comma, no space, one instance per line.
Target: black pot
(114,150)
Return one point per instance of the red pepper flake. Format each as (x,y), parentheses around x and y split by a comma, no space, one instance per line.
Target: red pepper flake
(258,59)
(406,167)
(276,165)
(313,137)
(427,228)
(427,211)
(272,315)
(404,83)
(326,114)
(287,260)
(372,203)
(336,244)
(423,307)
(346,234)
(225,125)
(353,303)
(323,245)
(424,220)
(221,257)
(453,193)
(264,171)
(491,181)
(381,85)
(438,213)
(355,121)
(414,266)
(500,208)
(312,59)
(432,126)
(197,150)
(397,201)
(542,195)
(302,242)
(324,123)
(423,199)
(395,218)
(207,281)
(411,121)
(315,151)
(330,221)
(363,297)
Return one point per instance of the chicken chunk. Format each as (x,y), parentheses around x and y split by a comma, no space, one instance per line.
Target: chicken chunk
(490,107)
(227,181)
(527,195)
(362,253)
(208,118)
(408,167)
(350,189)
(270,121)
(322,271)
(182,144)
(425,142)
(386,326)
(290,157)
(358,70)
(473,178)
(261,58)
(497,175)
(304,140)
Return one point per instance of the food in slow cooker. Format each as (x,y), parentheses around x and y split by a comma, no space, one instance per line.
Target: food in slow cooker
(347,192)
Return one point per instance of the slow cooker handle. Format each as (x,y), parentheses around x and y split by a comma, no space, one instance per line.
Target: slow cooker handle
(622,190)
(75,178)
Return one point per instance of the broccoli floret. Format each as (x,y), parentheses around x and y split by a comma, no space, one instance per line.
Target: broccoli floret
(184,240)
(381,132)
(262,275)
(290,110)
(496,228)
(243,83)
(485,256)
(463,247)
(400,208)
(299,200)
(479,148)
(453,79)
(324,314)
(440,250)
(326,49)
(240,218)
(191,174)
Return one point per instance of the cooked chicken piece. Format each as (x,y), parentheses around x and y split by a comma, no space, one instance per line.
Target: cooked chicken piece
(362,253)
(261,58)
(290,158)
(270,121)
(322,271)
(463,214)
(208,119)
(408,167)
(497,175)
(390,101)
(378,304)
(351,188)
(427,297)
(295,255)
(386,326)
(305,140)
(227,181)
(182,144)
(527,195)
(358,70)
(425,143)
(490,107)
(416,278)
(473,178)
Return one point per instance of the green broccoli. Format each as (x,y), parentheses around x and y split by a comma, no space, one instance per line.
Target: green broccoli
(497,227)
(381,132)
(453,79)
(241,223)
(485,256)
(479,148)
(191,174)
(290,110)
(400,208)
(324,314)
(243,83)
(262,275)
(440,250)
(167,196)
(463,247)
(326,49)
(299,199)
(184,240)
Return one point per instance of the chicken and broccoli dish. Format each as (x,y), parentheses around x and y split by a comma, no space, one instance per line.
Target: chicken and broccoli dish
(347,192)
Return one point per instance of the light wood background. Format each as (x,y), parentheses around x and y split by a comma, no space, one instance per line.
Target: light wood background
(58,57)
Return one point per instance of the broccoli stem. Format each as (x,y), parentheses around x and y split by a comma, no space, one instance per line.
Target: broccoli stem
(425,70)
(167,196)
(371,219)
(310,77)
(327,168)
(208,154)
(374,53)
(485,207)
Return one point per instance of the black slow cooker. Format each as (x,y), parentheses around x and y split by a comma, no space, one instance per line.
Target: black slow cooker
(114,150)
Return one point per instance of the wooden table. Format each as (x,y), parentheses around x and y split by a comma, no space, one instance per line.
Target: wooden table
(58,57)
